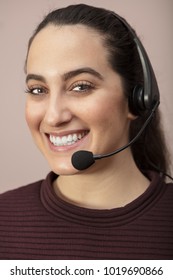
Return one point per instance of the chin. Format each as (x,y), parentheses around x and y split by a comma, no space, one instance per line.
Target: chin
(64,169)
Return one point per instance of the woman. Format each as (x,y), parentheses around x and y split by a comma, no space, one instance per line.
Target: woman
(81,67)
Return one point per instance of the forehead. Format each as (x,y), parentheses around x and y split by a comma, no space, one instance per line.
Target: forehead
(68,43)
(68,32)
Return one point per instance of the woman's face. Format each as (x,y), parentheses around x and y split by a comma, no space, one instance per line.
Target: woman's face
(75,100)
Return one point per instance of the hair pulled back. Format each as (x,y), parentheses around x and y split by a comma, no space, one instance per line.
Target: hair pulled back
(149,151)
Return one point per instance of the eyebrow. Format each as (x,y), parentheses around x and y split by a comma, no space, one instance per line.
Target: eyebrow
(67,75)
(35,77)
(79,71)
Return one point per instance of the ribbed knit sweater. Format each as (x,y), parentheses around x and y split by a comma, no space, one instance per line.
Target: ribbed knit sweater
(36,224)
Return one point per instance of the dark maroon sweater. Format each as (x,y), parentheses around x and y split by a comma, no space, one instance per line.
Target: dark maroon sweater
(36,224)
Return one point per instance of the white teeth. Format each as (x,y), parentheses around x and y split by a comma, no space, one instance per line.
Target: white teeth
(66,140)
(69,138)
(57,141)
(75,137)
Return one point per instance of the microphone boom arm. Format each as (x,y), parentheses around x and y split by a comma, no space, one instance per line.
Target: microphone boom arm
(148,120)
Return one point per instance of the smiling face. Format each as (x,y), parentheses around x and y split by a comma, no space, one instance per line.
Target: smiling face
(75,100)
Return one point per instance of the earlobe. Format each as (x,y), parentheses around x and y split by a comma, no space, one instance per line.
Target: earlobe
(131,116)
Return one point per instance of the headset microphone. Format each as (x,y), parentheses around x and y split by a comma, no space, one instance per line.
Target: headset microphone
(82,160)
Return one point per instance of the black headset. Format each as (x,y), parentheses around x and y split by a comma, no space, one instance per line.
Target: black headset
(143,98)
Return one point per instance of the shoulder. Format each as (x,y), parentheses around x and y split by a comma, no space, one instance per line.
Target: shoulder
(165,204)
(160,184)
(169,189)
(20,195)
(166,187)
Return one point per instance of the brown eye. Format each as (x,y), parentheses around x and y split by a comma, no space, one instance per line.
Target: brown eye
(82,87)
(36,90)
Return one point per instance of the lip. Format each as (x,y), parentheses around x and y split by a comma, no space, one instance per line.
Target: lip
(65,133)
(66,148)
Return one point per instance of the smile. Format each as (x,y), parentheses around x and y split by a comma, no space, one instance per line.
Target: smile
(66,140)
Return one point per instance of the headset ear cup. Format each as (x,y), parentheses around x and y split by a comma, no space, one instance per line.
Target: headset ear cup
(136,101)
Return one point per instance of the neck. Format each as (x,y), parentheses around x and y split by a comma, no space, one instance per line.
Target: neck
(109,183)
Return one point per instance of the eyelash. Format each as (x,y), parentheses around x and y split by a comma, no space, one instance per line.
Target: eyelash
(31,90)
(84,85)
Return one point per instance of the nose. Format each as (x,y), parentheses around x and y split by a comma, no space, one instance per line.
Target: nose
(57,111)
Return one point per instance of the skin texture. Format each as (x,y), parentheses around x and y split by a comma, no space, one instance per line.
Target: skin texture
(64,101)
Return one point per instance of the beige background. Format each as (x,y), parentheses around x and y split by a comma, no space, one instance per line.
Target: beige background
(20,161)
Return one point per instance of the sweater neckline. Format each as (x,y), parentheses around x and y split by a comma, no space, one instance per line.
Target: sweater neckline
(100,218)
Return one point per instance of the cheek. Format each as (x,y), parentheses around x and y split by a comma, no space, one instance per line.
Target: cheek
(33,116)
(107,113)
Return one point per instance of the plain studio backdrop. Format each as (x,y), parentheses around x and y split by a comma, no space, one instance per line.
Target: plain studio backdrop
(20,161)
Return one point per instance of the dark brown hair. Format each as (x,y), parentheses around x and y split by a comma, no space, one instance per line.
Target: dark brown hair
(149,151)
